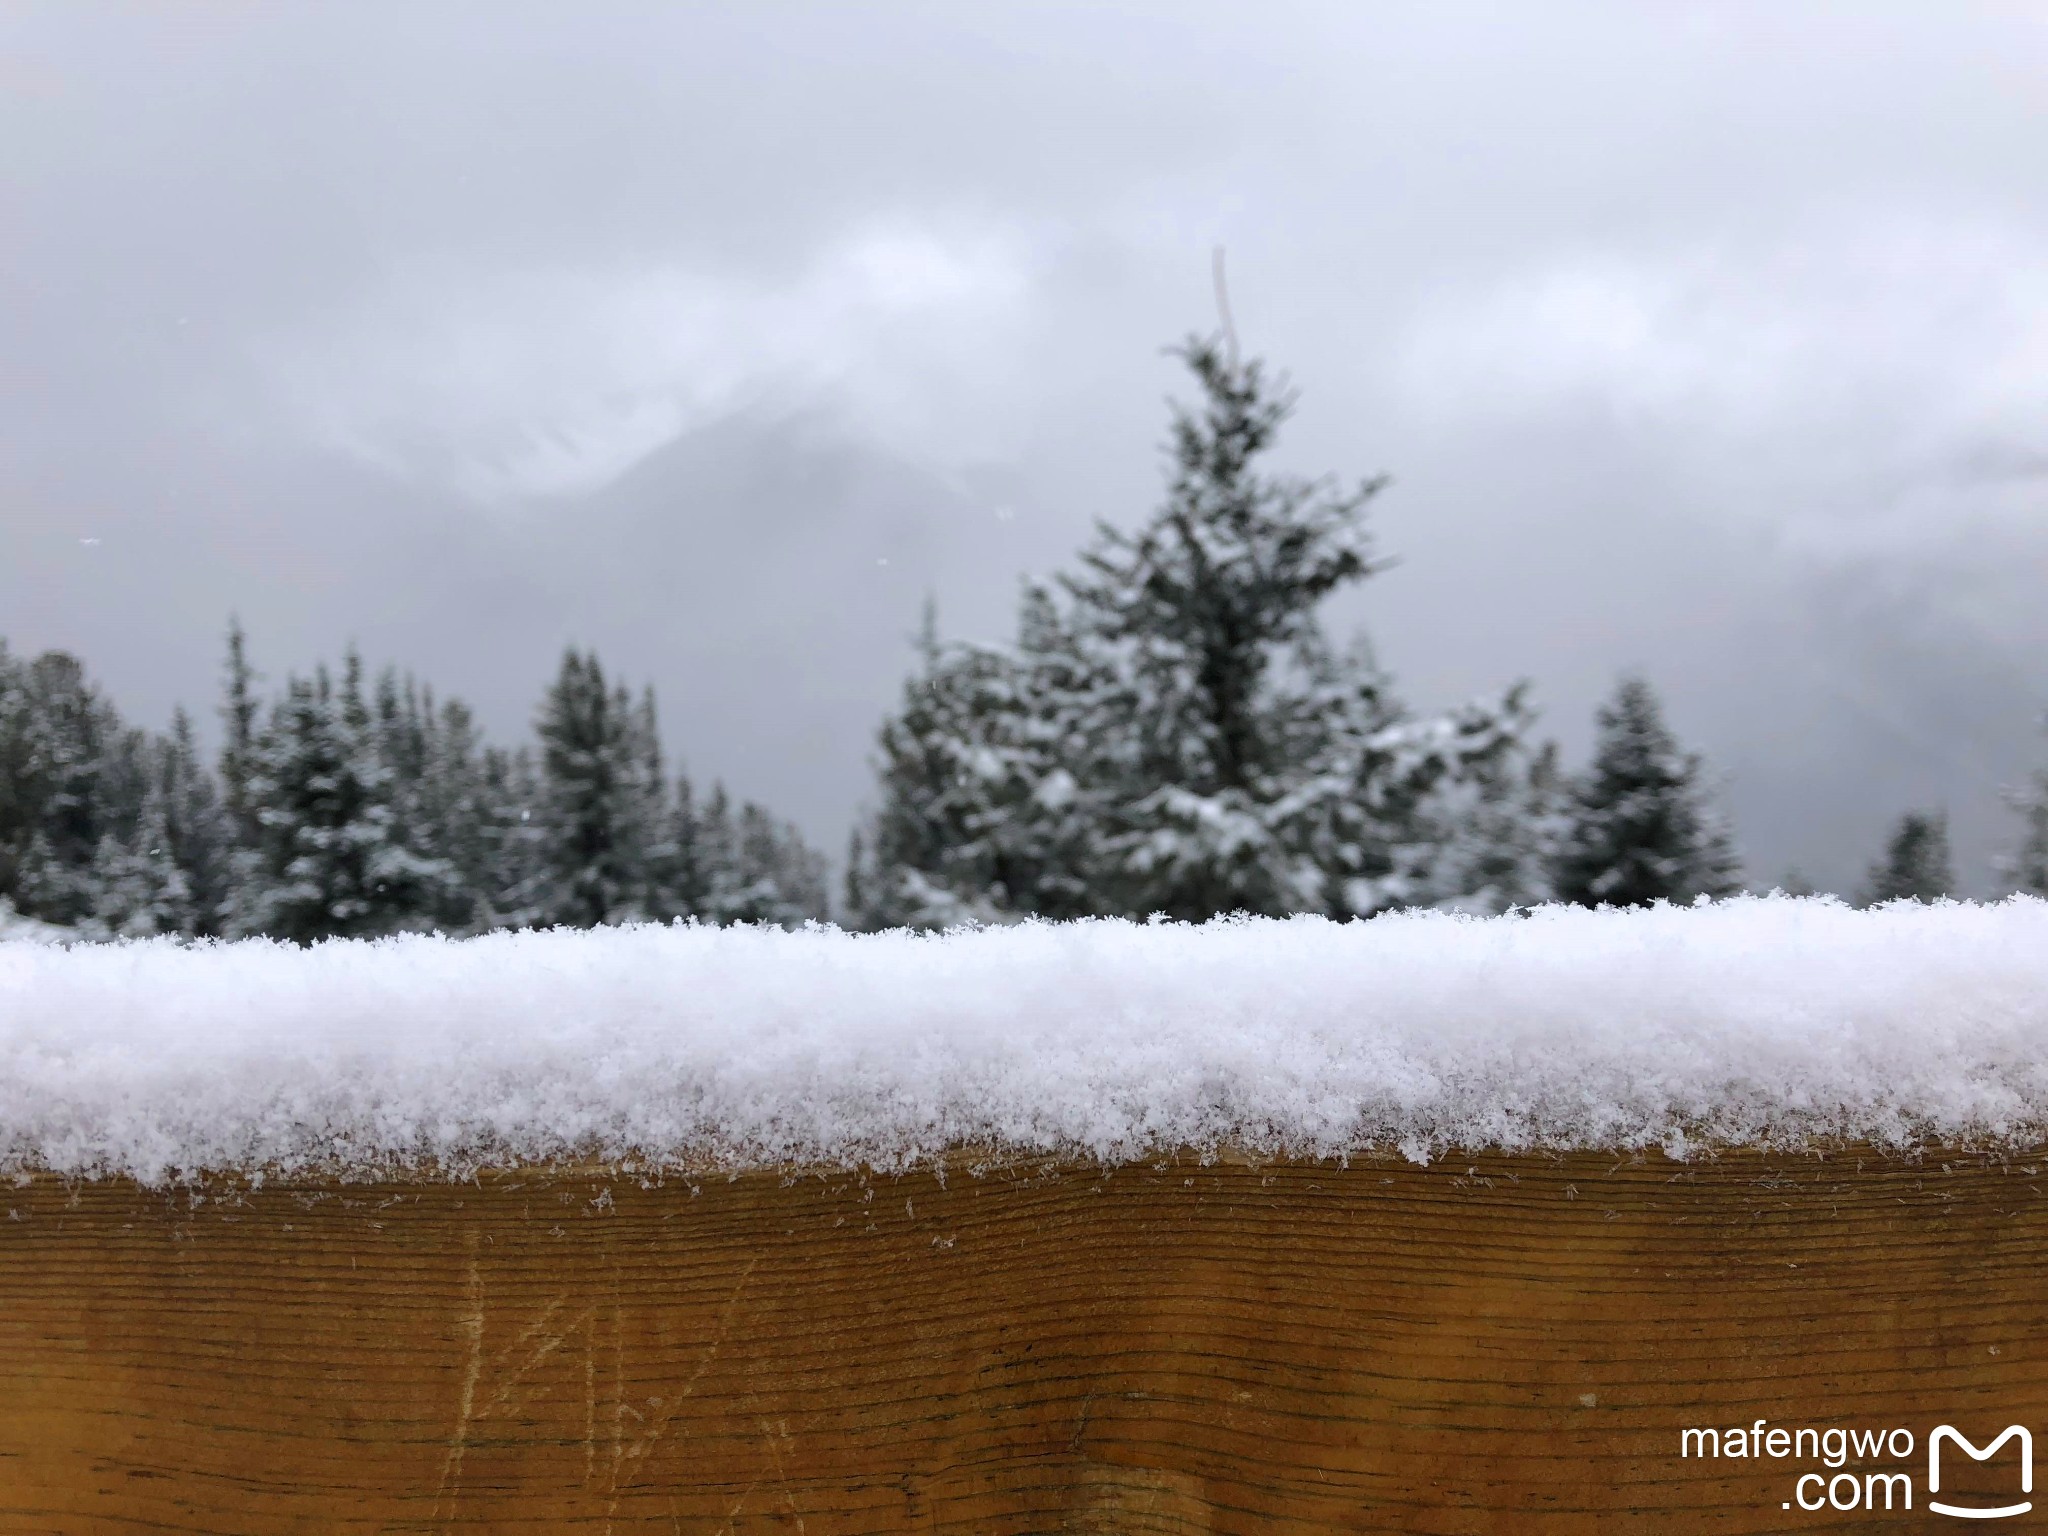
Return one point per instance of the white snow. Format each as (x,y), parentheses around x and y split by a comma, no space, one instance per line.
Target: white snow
(1764,1021)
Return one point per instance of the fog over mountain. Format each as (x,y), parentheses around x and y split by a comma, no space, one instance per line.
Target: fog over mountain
(1701,339)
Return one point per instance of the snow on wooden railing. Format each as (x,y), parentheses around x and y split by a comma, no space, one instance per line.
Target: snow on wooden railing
(1764,1022)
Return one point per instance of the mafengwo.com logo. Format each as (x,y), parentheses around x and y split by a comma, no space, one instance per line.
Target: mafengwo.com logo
(1817,1464)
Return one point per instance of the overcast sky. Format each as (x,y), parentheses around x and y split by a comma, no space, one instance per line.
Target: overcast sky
(1706,340)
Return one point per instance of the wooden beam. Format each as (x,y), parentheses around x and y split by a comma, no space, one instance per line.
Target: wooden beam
(1489,1344)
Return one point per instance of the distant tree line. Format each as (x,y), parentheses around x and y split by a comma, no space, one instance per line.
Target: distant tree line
(1173,731)
(346,807)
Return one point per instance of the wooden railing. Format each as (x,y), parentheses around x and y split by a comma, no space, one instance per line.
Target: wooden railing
(1490,1344)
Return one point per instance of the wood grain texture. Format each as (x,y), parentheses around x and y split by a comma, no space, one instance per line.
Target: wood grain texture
(1492,1344)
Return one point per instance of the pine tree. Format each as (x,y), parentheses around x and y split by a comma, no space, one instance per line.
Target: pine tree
(1172,732)
(2027,865)
(756,869)
(605,799)
(513,872)
(1915,864)
(104,829)
(1795,883)
(163,869)
(779,883)
(238,719)
(329,858)
(1195,617)
(448,807)
(857,892)
(123,776)
(431,756)
(140,889)
(66,781)
(971,793)
(197,827)
(19,808)
(651,822)
(1640,826)
(721,893)
(1491,833)
(1391,808)
(743,866)
(286,785)
(402,886)
(688,881)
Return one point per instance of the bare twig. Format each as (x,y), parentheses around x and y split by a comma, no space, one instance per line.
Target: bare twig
(1223,309)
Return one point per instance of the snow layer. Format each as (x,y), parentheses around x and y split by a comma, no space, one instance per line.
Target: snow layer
(1765,1021)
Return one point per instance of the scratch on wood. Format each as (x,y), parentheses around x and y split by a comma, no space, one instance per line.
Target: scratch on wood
(776,1435)
(625,1457)
(1081,1422)
(732,1515)
(472,1325)
(618,1408)
(590,1403)
(515,1376)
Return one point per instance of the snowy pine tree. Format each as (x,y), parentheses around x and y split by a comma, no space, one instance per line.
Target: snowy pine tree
(282,782)
(140,889)
(688,875)
(1172,733)
(1916,862)
(604,799)
(857,895)
(1640,826)
(123,776)
(1490,834)
(104,829)
(777,878)
(389,736)
(2027,865)
(330,858)
(403,885)
(972,795)
(197,826)
(752,868)
(720,891)
(239,710)
(161,868)
(449,806)
(512,875)
(61,787)
(651,827)
(1194,621)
